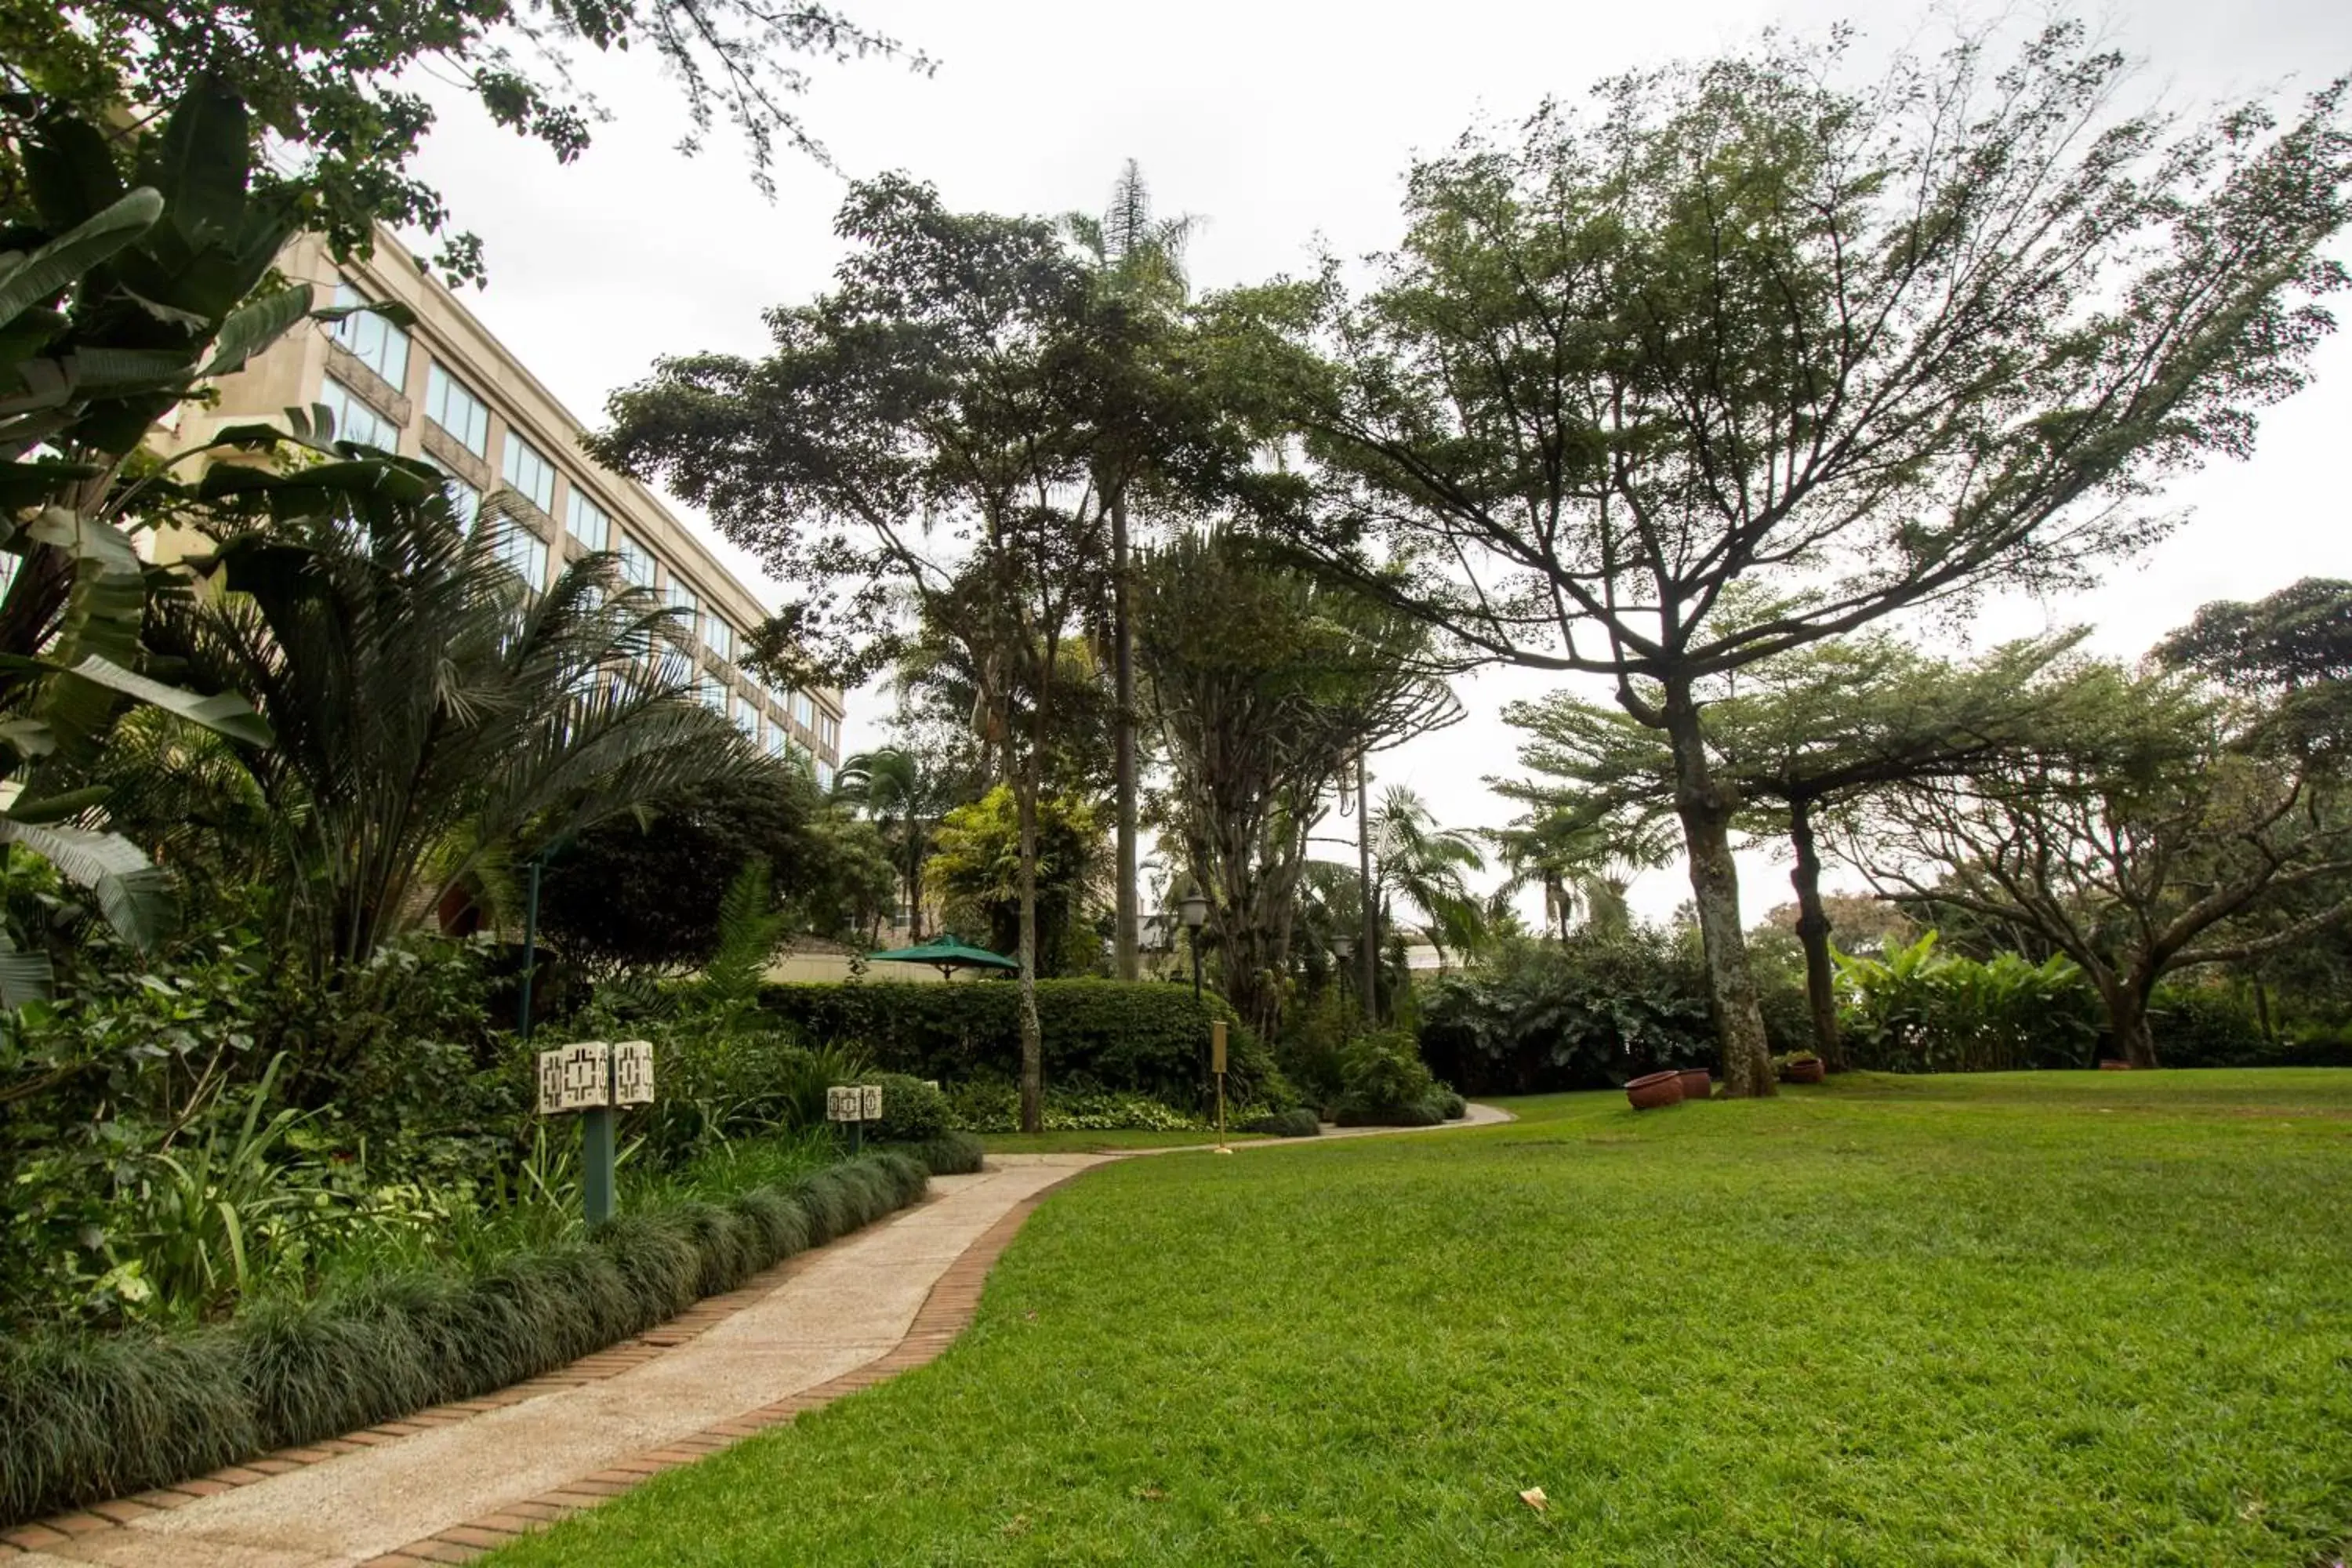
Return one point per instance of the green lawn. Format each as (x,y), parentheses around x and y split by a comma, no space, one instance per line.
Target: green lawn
(2080,1319)
(1099,1142)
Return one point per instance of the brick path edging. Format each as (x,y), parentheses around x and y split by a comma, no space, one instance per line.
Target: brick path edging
(945,1313)
(62,1530)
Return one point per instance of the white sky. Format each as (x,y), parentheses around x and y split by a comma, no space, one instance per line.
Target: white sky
(1284,125)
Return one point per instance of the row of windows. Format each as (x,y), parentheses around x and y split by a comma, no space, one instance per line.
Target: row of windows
(384,348)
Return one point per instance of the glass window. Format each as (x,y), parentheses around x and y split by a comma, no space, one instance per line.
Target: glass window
(828,730)
(680,597)
(773,738)
(529,473)
(823,773)
(713,695)
(374,341)
(449,404)
(720,636)
(804,711)
(464,498)
(747,716)
(591,524)
(524,550)
(637,562)
(354,420)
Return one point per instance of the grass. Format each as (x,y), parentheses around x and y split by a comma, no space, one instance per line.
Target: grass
(1075,1142)
(2065,1320)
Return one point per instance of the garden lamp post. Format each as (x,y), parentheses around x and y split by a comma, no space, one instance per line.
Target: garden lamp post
(1194,912)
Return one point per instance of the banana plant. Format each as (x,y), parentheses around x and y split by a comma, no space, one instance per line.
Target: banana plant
(138,290)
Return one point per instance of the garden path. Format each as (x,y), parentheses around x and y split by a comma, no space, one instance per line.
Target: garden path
(835,1320)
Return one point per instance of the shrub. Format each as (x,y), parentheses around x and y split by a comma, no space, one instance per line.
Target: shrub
(84,1417)
(913,1112)
(1450,1105)
(1917,1010)
(951,1155)
(993,1105)
(1543,1015)
(1297,1122)
(1141,1037)
(1386,1084)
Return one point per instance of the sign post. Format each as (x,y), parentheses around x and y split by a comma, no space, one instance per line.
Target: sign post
(594,1079)
(1217,1066)
(857,1104)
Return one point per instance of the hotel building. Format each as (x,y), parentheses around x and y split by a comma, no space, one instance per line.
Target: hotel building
(445,390)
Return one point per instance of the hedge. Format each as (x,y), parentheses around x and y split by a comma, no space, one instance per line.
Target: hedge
(88,1417)
(1147,1037)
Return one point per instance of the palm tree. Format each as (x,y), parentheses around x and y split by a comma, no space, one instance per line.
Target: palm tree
(1139,264)
(1427,868)
(1580,864)
(904,795)
(436,718)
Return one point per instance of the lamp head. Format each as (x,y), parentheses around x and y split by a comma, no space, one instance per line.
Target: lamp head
(1194,911)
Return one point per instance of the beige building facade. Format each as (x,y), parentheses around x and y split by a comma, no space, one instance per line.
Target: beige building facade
(446,390)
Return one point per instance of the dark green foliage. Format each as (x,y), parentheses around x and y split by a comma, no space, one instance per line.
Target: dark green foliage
(1598,1008)
(1386,1084)
(992,1104)
(1918,1010)
(1138,1036)
(951,1153)
(625,893)
(913,1110)
(1449,1104)
(2214,1027)
(88,1417)
(1297,1122)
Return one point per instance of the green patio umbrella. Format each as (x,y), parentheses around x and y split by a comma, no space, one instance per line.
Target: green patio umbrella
(946,954)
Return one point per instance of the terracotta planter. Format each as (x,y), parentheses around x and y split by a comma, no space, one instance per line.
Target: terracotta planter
(1655,1090)
(1813,1071)
(1696,1085)
(2109,1064)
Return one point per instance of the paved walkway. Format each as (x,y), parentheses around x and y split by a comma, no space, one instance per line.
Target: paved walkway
(446,1485)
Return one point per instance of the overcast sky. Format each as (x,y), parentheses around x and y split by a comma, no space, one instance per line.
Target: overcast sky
(1285,125)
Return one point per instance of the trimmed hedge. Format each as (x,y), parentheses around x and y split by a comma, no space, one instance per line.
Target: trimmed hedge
(1297,1122)
(84,1418)
(1148,1037)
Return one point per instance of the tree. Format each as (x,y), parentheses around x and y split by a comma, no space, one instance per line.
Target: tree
(436,718)
(1264,685)
(2140,843)
(904,794)
(945,426)
(1139,263)
(1875,348)
(331,89)
(976,869)
(629,893)
(1427,868)
(1803,739)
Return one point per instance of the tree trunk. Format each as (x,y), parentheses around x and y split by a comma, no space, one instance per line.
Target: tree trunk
(2262,1012)
(1370,937)
(1705,807)
(1813,932)
(1033,1038)
(1127,963)
(2127,1023)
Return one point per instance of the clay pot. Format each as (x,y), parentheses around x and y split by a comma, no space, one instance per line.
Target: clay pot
(2109,1064)
(1696,1085)
(1813,1071)
(1652,1090)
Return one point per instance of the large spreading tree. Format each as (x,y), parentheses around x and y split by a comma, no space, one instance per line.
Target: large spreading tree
(1805,738)
(1878,347)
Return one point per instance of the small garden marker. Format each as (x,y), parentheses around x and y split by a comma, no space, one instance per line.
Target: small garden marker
(592,1077)
(857,1104)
